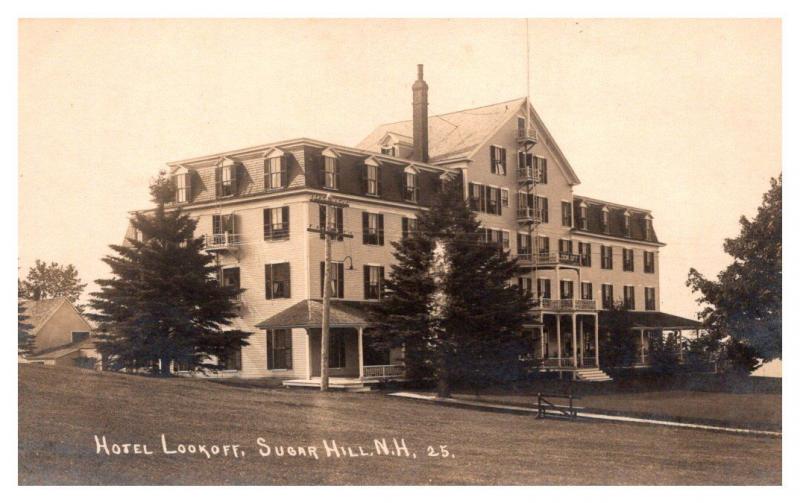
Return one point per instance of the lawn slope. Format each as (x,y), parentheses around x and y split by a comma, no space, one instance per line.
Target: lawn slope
(60,411)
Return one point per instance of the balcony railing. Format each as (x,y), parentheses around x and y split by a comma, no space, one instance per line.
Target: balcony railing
(383,371)
(528,174)
(549,259)
(527,135)
(565,305)
(529,215)
(224,241)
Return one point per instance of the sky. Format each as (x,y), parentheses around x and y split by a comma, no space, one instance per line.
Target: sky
(682,117)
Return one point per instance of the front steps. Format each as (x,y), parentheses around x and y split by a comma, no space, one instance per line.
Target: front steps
(351,385)
(591,375)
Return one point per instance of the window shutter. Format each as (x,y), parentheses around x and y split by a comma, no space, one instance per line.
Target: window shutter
(378,177)
(493,159)
(322,222)
(340,223)
(284,172)
(380,229)
(365,227)
(544,170)
(268,281)
(270,349)
(520,160)
(322,279)
(405,227)
(267,223)
(366,282)
(364,177)
(218,180)
(340,267)
(380,281)
(288,345)
(285,218)
(235,177)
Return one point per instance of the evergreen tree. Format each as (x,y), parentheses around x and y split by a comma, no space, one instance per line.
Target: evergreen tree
(617,338)
(745,302)
(25,340)
(163,303)
(48,281)
(453,302)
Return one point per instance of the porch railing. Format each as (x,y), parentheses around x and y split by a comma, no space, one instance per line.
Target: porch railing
(564,361)
(548,258)
(222,241)
(566,305)
(383,371)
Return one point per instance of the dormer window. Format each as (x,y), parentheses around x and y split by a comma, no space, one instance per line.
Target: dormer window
(226,178)
(392,151)
(275,170)
(330,179)
(604,220)
(183,187)
(627,223)
(648,228)
(372,181)
(583,217)
(410,185)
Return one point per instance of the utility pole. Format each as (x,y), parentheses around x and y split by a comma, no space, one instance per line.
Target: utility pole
(329,230)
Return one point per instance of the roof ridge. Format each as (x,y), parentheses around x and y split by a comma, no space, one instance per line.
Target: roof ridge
(455,111)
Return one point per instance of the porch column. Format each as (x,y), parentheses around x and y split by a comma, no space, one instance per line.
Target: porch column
(308,354)
(597,340)
(361,352)
(581,340)
(575,339)
(558,338)
(641,338)
(680,345)
(541,338)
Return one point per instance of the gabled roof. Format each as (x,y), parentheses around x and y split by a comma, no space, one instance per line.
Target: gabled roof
(308,314)
(451,135)
(39,311)
(459,135)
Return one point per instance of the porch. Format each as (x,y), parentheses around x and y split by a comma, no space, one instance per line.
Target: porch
(353,358)
(567,341)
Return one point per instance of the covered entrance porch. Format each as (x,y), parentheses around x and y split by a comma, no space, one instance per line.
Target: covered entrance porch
(567,341)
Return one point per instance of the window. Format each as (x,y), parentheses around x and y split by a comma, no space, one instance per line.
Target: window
(627,223)
(506,239)
(585,253)
(337,280)
(226,179)
(543,288)
(276,223)
(492,200)
(604,221)
(486,199)
(279,349)
(372,184)
(565,247)
(648,228)
(223,228)
(543,245)
(541,206)
(275,176)
(79,336)
(541,169)
(337,359)
(183,190)
(566,214)
(504,197)
(629,297)
(476,201)
(606,257)
(331,173)
(608,296)
(649,262)
(231,278)
(409,226)
(277,281)
(336,221)
(525,164)
(392,151)
(521,127)
(583,219)
(410,186)
(232,360)
(525,285)
(497,157)
(524,245)
(567,291)
(372,226)
(586,290)
(373,281)
(650,299)
(627,260)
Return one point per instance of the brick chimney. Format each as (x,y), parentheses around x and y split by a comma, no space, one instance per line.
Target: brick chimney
(420,89)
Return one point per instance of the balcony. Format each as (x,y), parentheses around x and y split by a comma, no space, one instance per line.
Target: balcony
(529,215)
(549,259)
(527,136)
(565,305)
(527,175)
(222,242)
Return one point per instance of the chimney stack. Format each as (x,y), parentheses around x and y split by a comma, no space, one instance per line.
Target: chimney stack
(420,90)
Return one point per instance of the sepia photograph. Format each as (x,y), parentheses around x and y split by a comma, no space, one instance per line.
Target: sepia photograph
(409,252)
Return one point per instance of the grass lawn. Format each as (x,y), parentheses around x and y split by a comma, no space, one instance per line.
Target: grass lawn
(60,411)
(746,403)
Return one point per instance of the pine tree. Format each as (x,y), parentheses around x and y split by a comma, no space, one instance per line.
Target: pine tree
(453,303)
(25,340)
(745,302)
(163,303)
(617,337)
